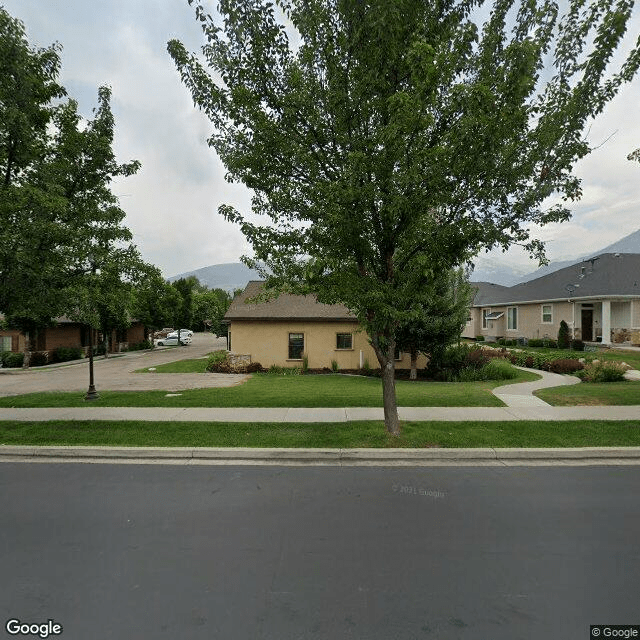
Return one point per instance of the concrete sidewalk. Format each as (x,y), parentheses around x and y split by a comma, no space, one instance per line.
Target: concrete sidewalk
(203,414)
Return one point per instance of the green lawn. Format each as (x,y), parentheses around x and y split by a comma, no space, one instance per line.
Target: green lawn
(594,433)
(598,393)
(265,390)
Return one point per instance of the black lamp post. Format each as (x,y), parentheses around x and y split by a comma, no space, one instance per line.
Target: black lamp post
(92,394)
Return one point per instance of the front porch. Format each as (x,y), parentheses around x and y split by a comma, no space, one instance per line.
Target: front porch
(607,321)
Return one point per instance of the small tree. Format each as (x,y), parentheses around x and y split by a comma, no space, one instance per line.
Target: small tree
(564,337)
(445,308)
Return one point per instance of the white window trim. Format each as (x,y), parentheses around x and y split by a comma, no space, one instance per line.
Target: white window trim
(542,320)
(509,317)
(485,322)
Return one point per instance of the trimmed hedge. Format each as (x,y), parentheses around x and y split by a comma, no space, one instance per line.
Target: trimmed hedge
(64,354)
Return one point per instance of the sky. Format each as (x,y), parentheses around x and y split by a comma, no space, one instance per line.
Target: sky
(172,203)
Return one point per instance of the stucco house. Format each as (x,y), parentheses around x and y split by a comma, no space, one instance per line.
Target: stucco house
(598,298)
(283,330)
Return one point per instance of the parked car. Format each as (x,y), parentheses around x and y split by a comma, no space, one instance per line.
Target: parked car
(172,341)
(183,332)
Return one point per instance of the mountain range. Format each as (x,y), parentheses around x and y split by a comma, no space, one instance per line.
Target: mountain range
(229,276)
(501,272)
(235,275)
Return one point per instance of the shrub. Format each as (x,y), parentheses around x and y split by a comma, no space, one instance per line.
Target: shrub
(603,372)
(305,363)
(577,345)
(334,366)
(479,338)
(495,369)
(39,359)
(565,365)
(498,369)
(535,360)
(64,354)
(284,371)
(12,359)
(139,346)
(563,335)
(219,362)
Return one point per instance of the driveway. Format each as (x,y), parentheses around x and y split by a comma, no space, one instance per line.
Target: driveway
(116,373)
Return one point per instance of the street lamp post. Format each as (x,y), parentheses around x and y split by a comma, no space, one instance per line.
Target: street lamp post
(92,394)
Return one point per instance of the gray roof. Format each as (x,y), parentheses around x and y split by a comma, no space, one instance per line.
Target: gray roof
(285,306)
(609,275)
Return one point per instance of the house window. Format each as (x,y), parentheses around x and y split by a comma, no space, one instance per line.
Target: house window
(344,341)
(485,322)
(397,354)
(5,343)
(512,318)
(296,346)
(547,314)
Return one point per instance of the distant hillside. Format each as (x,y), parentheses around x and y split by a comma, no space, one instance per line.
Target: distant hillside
(500,272)
(230,276)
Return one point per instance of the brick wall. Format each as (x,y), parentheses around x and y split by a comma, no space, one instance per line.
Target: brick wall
(17,339)
(64,335)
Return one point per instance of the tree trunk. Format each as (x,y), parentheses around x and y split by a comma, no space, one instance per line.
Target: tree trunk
(387,364)
(414,364)
(27,350)
(105,342)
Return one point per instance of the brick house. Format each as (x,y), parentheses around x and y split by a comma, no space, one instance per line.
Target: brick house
(67,333)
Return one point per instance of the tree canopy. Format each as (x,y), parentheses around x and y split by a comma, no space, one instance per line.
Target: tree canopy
(57,211)
(387,142)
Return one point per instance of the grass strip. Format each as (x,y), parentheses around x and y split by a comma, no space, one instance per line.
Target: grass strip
(624,393)
(264,390)
(359,434)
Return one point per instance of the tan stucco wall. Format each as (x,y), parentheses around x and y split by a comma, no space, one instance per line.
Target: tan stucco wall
(530,324)
(268,344)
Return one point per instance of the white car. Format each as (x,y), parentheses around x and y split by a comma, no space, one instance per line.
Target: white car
(172,341)
(183,332)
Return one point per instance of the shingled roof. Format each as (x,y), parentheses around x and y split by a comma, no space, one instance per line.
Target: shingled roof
(608,275)
(284,307)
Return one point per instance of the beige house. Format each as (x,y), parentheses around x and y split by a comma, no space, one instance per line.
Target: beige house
(599,299)
(285,329)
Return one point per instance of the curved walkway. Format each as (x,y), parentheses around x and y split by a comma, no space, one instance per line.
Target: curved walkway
(521,393)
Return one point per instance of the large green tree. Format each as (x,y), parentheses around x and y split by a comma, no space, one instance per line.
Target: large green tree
(388,139)
(155,302)
(57,210)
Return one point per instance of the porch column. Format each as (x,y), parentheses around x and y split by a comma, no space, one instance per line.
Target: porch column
(606,322)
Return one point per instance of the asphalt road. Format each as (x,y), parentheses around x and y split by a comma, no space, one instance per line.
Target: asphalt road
(147,552)
(117,372)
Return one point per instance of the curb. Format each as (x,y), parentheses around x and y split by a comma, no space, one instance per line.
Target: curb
(337,457)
